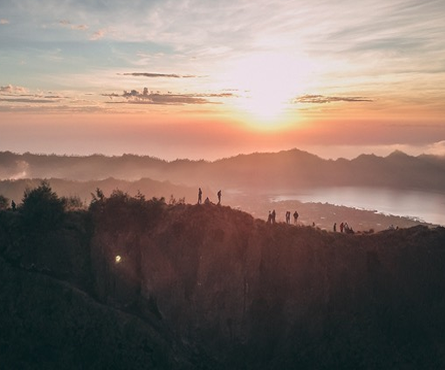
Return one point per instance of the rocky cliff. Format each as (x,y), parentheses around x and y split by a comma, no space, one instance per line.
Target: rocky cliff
(254,295)
(206,286)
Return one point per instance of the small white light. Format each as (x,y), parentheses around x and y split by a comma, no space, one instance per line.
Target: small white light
(118,259)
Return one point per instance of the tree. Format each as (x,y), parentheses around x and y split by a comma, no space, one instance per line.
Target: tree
(41,208)
(73,203)
(4,203)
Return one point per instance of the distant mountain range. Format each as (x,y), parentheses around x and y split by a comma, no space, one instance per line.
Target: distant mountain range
(261,172)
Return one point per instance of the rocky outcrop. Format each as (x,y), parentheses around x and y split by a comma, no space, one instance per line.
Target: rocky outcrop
(48,324)
(136,284)
(253,295)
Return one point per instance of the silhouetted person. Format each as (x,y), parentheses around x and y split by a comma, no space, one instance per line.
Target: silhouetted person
(13,205)
(269,218)
(219,197)
(199,196)
(288,217)
(295,217)
(335,227)
(207,201)
(342,225)
(274,215)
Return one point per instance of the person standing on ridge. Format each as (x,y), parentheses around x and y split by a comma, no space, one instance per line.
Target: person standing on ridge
(288,217)
(295,217)
(199,196)
(219,197)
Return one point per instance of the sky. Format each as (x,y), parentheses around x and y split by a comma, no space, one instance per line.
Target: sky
(210,79)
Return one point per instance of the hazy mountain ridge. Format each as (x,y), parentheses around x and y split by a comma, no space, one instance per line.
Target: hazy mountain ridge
(257,171)
(14,189)
(232,292)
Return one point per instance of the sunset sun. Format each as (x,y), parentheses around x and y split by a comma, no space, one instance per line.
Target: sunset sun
(266,84)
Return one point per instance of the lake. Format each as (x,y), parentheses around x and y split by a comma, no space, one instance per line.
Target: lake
(419,205)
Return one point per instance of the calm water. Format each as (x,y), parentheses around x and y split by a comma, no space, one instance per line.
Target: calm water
(429,207)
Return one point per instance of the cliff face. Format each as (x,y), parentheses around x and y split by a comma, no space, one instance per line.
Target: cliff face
(252,295)
(48,324)
(140,284)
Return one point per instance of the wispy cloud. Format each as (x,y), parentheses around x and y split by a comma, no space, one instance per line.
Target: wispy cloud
(80,27)
(321,99)
(11,89)
(437,148)
(4,21)
(154,75)
(18,94)
(98,35)
(29,100)
(149,97)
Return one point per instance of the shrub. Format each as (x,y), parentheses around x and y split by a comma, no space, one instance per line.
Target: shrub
(4,203)
(41,208)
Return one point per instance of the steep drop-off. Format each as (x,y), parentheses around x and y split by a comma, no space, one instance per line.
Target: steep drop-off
(206,286)
(254,295)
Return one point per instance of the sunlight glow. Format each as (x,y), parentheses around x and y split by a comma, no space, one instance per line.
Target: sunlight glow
(266,83)
(118,259)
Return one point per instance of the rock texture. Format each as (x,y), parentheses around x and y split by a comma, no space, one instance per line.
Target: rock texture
(206,286)
(254,295)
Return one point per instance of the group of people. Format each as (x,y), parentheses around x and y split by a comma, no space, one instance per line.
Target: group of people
(207,200)
(288,217)
(272,217)
(344,228)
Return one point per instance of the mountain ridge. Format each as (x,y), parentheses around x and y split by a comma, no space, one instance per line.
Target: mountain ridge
(232,291)
(249,172)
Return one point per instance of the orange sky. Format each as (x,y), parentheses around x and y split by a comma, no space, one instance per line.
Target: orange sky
(194,79)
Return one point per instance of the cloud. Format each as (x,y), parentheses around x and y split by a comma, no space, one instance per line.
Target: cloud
(18,94)
(151,74)
(98,35)
(4,21)
(29,100)
(80,27)
(321,99)
(436,148)
(149,97)
(51,108)
(13,90)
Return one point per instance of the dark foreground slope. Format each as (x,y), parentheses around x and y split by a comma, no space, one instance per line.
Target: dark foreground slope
(48,324)
(209,287)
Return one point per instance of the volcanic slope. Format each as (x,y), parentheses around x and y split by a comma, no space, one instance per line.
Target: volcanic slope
(226,291)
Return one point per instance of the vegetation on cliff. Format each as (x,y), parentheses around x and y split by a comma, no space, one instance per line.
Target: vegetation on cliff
(139,283)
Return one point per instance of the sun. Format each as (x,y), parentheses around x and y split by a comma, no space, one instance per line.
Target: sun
(266,84)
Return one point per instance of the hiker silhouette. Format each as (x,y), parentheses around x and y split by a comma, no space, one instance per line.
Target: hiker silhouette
(288,217)
(296,217)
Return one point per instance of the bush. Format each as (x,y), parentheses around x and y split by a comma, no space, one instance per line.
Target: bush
(121,211)
(41,208)
(4,203)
